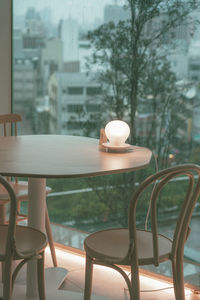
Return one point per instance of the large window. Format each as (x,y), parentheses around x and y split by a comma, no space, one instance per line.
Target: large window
(77,65)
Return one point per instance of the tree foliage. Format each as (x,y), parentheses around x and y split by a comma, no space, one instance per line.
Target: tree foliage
(131,59)
(136,78)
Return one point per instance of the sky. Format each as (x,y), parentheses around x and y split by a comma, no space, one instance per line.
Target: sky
(83,10)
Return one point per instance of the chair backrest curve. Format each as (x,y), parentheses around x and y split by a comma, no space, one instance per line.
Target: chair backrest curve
(10,119)
(191,196)
(10,246)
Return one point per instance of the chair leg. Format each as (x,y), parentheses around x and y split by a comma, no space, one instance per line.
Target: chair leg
(50,238)
(41,277)
(2,270)
(135,282)
(88,277)
(175,282)
(2,221)
(180,288)
(7,282)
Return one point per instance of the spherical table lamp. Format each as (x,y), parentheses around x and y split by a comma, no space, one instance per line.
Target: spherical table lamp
(117,132)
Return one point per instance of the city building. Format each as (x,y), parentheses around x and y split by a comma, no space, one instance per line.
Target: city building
(33,23)
(69,34)
(51,60)
(194,61)
(85,51)
(24,89)
(115,13)
(195,116)
(73,98)
(18,43)
(188,98)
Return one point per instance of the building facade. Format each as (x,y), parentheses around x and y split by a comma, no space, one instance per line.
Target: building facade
(74,99)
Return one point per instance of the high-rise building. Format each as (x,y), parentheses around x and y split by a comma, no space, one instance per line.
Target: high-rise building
(51,60)
(24,88)
(73,98)
(69,34)
(18,43)
(33,23)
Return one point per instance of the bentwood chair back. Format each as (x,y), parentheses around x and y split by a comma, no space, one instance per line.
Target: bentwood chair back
(134,247)
(7,120)
(20,187)
(19,243)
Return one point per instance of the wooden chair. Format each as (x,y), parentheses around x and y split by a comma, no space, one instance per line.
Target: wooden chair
(20,187)
(19,243)
(135,247)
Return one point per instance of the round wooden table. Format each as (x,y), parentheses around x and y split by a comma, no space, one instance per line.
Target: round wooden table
(58,156)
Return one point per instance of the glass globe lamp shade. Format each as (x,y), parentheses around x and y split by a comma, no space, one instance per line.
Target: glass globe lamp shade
(117,133)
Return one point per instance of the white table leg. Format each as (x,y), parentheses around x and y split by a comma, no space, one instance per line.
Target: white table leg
(36,219)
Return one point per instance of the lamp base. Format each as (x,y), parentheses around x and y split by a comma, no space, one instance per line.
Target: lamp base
(122,148)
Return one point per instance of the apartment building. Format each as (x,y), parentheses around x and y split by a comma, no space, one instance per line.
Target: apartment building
(75,98)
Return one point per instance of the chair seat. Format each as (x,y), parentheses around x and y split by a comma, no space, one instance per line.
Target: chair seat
(28,240)
(21,190)
(112,245)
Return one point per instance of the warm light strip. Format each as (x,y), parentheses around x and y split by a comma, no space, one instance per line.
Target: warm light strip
(147,283)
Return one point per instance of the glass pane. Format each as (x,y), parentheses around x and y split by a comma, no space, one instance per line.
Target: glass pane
(79,64)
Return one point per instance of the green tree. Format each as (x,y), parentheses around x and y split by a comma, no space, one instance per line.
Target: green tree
(136,76)
(166,106)
(125,50)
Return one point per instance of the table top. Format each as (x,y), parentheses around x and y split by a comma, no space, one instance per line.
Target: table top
(54,156)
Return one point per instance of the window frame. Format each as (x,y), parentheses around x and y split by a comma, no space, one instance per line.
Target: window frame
(6,56)
(6,86)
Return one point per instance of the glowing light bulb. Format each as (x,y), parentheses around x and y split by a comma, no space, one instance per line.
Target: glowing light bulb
(117,133)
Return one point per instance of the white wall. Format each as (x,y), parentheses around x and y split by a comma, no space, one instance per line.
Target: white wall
(5,56)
